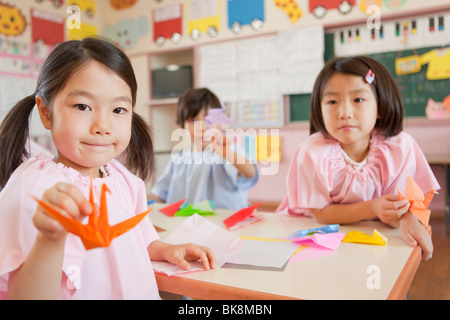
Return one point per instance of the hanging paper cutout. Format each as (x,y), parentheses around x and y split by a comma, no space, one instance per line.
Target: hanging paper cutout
(438,63)
(127,33)
(291,8)
(98,232)
(122,4)
(245,12)
(12,20)
(167,24)
(438,109)
(203,16)
(418,201)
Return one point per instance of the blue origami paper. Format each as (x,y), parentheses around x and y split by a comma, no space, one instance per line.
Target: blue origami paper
(325,229)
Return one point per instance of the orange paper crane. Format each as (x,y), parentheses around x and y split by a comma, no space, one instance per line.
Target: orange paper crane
(418,203)
(97,232)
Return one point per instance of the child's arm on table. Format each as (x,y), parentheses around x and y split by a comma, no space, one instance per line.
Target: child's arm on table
(40,275)
(181,254)
(388,208)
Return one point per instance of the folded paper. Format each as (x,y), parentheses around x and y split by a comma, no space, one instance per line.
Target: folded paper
(170,210)
(217,116)
(327,241)
(325,229)
(357,236)
(198,230)
(97,232)
(242,217)
(418,202)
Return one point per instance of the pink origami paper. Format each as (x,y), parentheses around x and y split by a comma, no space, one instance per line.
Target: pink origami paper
(418,202)
(328,240)
(242,217)
(217,116)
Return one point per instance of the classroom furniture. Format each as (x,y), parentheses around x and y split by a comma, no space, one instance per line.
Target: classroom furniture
(443,161)
(344,275)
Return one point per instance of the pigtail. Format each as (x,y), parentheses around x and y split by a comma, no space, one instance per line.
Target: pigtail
(139,154)
(14,134)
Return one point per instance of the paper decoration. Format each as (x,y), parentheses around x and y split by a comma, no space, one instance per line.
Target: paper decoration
(97,233)
(242,218)
(88,6)
(245,12)
(291,8)
(438,109)
(122,4)
(12,20)
(47,28)
(357,236)
(127,32)
(439,63)
(322,230)
(418,202)
(202,232)
(203,17)
(407,65)
(168,24)
(319,7)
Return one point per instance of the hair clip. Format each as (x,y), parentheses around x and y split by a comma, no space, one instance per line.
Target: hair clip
(370,76)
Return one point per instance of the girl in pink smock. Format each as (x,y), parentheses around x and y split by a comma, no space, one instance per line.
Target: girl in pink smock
(357,155)
(85,95)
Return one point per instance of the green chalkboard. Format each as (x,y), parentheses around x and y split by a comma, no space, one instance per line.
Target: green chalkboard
(415,88)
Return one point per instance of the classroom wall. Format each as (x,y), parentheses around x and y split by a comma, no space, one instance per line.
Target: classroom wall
(133,28)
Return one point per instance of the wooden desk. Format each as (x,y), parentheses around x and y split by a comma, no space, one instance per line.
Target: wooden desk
(445,162)
(340,276)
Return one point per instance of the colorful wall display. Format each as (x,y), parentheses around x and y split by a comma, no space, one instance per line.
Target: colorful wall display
(122,4)
(245,12)
(127,32)
(12,20)
(203,16)
(168,24)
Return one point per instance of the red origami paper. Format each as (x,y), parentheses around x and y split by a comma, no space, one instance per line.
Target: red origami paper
(172,209)
(241,215)
(97,232)
(418,202)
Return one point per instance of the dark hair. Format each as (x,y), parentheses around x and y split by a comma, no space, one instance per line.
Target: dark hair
(59,66)
(387,93)
(192,101)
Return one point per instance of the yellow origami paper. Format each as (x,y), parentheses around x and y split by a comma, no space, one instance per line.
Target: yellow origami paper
(97,232)
(357,236)
(418,202)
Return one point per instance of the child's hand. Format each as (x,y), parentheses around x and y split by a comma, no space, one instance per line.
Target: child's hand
(389,208)
(181,254)
(220,142)
(69,201)
(413,232)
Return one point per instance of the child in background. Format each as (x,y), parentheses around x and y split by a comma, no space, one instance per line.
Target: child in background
(197,173)
(357,155)
(85,95)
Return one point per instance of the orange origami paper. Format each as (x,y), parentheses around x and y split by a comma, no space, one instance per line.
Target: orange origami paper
(97,232)
(418,202)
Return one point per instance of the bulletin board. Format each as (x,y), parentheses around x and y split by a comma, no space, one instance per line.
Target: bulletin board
(415,87)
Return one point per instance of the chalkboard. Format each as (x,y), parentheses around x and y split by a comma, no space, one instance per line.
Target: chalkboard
(415,88)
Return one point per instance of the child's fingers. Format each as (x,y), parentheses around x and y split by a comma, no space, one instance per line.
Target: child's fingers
(69,200)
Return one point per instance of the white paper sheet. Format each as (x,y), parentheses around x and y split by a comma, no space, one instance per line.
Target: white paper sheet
(200,231)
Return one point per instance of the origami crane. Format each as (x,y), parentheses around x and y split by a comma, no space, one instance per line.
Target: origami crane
(418,202)
(97,232)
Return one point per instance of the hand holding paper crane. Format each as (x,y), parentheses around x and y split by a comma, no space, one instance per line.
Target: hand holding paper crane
(418,201)
(97,232)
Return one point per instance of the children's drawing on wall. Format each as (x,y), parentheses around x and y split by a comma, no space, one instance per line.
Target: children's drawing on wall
(168,24)
(245,12)
(127,33)
(203,16)
(366,4)
(12,20)
(291,8)
(438,109)
(122,4)
(319,8)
